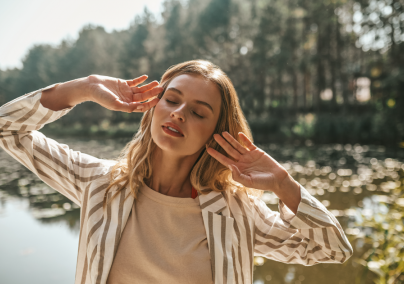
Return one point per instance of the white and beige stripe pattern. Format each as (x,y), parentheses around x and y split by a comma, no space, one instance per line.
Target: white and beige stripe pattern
(238,226)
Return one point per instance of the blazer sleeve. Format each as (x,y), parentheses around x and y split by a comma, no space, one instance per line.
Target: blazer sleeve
(311,236)
(63,169)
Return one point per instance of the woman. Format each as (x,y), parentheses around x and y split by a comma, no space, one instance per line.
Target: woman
(181,204)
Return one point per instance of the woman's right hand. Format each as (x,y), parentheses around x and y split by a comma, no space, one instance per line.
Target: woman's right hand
(111,93)
(123,95)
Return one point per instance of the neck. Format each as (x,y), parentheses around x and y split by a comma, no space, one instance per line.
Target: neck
(171,173)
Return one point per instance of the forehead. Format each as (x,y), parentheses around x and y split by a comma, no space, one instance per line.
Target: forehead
(198,88)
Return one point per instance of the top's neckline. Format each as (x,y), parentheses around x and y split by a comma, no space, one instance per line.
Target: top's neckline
(169,200)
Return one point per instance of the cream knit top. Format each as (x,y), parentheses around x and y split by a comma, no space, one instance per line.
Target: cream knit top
(163,242)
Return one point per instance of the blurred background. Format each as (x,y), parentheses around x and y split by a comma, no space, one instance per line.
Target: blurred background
(320,82)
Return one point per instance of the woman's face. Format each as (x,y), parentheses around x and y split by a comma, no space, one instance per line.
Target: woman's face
(190,104)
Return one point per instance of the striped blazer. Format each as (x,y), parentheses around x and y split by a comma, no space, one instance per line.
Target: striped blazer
(238,226)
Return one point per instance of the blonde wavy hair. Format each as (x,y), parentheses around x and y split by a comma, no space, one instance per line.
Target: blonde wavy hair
(134,162)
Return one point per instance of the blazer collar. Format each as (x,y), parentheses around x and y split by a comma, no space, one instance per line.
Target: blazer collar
(219,231)
(214,202)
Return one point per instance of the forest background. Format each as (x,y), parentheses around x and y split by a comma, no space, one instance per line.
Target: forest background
(329,71)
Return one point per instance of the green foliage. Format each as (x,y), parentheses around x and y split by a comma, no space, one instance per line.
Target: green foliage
(280,55)
(386,237)
(305,126)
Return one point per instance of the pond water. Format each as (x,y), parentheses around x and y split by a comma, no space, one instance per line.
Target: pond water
(40,227)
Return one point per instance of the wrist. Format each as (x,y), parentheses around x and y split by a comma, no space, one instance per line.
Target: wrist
(79,89)
(89,89)
(289,193)
(287,186)
(66,94)
(283,180)
(289,181)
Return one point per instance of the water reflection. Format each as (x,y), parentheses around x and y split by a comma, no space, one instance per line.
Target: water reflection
(347,179)
(45,204)
(350,180)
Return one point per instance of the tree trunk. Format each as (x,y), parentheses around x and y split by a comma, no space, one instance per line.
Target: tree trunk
(295,92)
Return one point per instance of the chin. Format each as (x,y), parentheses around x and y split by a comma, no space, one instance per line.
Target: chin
(169,145)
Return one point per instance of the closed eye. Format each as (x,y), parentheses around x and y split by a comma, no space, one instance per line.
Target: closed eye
(176,103)
(197,114)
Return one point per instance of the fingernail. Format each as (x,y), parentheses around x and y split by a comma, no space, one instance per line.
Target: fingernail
(139,107)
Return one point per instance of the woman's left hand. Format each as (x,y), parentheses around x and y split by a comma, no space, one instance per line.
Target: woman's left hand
(252,166)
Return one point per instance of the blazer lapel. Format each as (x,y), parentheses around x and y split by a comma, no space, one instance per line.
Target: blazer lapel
(219,231)
(114,220)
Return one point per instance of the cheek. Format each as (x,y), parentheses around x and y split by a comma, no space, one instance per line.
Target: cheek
(159,113)
(202,132)
(158,109)
(155,120)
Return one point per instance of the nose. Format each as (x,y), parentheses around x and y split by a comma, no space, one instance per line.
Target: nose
(178,114)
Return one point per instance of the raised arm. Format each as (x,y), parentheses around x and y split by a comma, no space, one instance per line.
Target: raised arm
(312,235)
(304,231)
(111,93)
(65,170)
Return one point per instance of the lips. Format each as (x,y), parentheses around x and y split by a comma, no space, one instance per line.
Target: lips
(172,125)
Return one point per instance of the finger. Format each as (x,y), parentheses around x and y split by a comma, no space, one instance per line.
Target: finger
(145,88)
(141,97)
(250,146)
(220,157)
(137,81)
(233,142)
(142,107)
(227,147)
(122,106)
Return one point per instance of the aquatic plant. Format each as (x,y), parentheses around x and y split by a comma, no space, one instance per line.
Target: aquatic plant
(383,231)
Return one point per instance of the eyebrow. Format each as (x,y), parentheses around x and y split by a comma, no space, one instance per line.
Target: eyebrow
(198,102)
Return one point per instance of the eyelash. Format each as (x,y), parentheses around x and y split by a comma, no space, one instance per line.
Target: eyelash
(193,111)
